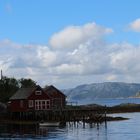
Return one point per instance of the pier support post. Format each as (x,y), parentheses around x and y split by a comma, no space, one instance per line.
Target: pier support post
(105,118)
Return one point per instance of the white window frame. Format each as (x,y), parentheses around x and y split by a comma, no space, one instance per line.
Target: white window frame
(38,92)
(39,104)
(30,103)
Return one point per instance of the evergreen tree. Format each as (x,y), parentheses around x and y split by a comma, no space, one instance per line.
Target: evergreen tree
(25,83)
(8,86)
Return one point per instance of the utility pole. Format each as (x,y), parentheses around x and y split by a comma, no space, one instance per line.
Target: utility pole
(1,75)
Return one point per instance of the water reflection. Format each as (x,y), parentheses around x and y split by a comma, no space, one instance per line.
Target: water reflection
(87,132)
(22,131)
(70,131)
(116,130)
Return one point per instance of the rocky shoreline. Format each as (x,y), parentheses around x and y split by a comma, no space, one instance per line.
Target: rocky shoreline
(121,108)
(124,108)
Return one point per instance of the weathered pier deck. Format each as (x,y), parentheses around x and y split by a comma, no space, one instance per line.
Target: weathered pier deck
(62,115)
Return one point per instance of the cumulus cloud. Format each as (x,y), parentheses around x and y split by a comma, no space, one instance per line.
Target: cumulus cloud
(73,36)
(135,25)
(46,56)
(74,55)
(125,60)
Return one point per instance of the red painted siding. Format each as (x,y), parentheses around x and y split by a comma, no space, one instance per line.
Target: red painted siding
(16,106)
(38,100)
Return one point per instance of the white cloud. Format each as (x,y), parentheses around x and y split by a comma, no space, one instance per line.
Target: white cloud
(46,56)
(5,62)
(77,54)
(135,25)
(72,36)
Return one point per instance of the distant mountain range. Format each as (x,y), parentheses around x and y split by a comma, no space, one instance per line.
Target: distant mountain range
(102,90)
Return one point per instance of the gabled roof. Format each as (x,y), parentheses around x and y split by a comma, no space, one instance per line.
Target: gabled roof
(49,91)
(23,93)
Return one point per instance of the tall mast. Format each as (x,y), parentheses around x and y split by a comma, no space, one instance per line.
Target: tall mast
(1,75)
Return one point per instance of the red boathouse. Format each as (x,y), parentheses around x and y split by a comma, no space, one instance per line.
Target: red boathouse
(37,99)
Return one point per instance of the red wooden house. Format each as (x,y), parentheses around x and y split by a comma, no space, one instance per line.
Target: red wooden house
(57,98)
(36,98)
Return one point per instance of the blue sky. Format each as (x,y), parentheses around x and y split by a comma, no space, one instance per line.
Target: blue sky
(35,21)
(70,42)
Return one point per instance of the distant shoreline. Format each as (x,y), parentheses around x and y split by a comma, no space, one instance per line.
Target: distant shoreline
(121,108)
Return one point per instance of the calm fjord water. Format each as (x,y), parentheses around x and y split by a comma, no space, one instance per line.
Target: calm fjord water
(115,130)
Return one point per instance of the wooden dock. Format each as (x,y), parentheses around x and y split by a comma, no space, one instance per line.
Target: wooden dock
(95,115)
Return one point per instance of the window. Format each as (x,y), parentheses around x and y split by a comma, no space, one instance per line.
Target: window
(38,92)
(42,104)
(47,104)
(30,103)
(37,104)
